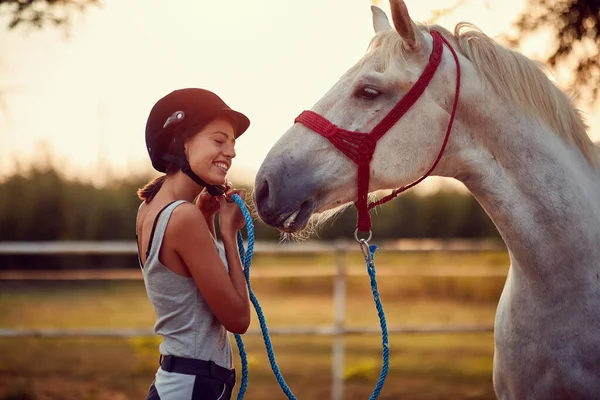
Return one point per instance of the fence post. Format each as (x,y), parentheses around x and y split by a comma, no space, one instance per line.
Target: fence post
(339,316)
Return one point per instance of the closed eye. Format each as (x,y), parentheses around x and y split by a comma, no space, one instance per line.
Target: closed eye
(367,93)
(222,138)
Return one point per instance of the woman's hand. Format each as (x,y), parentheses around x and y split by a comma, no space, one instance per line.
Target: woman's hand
(231,219)
(209,205)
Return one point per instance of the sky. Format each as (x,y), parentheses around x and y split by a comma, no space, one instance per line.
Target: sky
(86,96)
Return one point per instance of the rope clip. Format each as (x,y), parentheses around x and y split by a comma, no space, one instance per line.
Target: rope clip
(364,246)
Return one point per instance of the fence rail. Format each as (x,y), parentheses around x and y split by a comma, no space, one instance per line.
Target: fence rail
(129,247)
(275,331)
(340,248)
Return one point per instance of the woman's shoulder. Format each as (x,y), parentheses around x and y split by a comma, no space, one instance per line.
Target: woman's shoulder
(184,218)
(155,208)
(185,210)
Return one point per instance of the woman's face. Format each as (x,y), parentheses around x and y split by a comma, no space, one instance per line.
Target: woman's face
(211,150)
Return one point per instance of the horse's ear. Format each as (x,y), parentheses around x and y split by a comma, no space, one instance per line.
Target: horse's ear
(408,30)
(380,20)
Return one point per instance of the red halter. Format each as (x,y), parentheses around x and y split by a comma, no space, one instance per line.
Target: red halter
(359,146)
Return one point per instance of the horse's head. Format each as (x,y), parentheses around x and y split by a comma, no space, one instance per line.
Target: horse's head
(304,173)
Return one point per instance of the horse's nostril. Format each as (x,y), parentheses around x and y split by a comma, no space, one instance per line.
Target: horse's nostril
(262,193)
(305,205)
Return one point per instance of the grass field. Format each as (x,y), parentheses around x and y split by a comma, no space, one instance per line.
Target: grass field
(422,366)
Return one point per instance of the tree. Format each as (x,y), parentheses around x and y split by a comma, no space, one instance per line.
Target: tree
(41,13)
(574,23)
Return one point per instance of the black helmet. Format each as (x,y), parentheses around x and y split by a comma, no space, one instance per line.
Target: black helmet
(180,111)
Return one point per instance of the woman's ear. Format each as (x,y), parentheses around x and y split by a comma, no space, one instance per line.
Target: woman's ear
(186,146)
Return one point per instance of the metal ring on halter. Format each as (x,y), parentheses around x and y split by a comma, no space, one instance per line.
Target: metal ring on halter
(366,240)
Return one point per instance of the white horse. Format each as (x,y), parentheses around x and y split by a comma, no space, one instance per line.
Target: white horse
(518,145)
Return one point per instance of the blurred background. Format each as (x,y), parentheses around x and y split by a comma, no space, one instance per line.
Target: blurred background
(77,81)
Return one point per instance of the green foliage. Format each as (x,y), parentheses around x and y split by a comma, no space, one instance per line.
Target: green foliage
(41,204)
(574,24)
(446,214)
(40,13)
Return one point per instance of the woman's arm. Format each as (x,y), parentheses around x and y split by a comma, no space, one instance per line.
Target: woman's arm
(225,293)
(208,205)
(210,222)
(236,269)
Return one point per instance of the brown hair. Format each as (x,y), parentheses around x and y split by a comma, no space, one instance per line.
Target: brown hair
(151,188)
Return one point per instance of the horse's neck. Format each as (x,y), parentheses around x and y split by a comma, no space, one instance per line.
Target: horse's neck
(542,195)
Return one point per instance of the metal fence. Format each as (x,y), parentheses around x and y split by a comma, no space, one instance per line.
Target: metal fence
(337,330)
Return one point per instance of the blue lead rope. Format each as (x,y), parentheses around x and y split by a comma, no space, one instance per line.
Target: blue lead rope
(246,257)
(384,332)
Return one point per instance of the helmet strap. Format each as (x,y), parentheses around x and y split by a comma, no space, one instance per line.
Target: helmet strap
(181,161)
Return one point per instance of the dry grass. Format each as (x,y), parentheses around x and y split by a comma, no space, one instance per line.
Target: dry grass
(423,366)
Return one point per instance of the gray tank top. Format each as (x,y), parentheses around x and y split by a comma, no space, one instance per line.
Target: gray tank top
(188,326)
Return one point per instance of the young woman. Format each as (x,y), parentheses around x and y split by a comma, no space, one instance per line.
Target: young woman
(196,286)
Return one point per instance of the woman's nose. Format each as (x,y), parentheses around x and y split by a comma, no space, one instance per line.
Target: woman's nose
(229,152)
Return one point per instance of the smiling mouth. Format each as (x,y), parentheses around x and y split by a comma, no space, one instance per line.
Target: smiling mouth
(222,166)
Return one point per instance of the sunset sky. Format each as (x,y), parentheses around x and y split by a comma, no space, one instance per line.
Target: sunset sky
(88,95)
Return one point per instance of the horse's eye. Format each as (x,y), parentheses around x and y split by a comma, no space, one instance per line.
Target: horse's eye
(368,93)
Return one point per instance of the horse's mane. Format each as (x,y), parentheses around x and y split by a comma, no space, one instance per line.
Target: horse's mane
(511,75)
